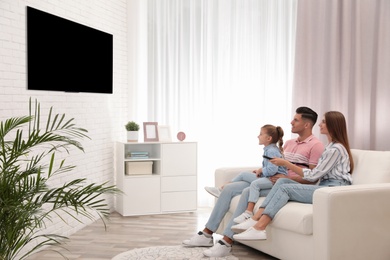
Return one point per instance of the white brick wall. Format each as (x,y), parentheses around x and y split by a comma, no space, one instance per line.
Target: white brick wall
(103,115)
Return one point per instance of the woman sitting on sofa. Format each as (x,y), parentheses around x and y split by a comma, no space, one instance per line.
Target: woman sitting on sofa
(334,168)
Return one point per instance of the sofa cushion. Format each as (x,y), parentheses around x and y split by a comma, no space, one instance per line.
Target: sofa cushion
(370,166)
(295,217)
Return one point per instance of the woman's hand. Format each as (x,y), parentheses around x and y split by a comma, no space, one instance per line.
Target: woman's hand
(282,162)
(279,162)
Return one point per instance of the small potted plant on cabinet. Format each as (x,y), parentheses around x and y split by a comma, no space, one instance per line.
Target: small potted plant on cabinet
(132,131)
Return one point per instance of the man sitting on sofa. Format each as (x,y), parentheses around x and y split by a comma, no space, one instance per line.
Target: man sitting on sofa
(305,150)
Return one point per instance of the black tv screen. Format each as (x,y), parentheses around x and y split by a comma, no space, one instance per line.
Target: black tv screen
(63,55)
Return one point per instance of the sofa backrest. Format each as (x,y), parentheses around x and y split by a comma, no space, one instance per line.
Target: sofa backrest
(370,166)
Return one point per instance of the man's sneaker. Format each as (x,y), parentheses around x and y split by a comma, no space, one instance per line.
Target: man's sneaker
(251,234)
(199,240)
(220,249)
(244,216)
(250,222)
(213,191)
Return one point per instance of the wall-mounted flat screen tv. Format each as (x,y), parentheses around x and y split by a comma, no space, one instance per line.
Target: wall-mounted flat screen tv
(63,55)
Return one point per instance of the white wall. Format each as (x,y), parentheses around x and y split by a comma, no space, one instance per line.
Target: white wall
(103,115)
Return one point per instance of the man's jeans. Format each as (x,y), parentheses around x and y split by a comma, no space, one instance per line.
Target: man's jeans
(223,204)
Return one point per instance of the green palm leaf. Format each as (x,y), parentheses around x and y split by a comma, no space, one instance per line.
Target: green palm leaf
(27,162)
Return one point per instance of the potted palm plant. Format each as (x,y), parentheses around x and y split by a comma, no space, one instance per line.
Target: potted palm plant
(27,201)
(132,131)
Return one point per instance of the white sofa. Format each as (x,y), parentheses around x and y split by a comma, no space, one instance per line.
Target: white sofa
(349,222)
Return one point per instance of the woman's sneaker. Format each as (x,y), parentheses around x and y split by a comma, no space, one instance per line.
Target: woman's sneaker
(250,222)
(251,234)
(244,216)
(213,191)
(199,239)
(220,249)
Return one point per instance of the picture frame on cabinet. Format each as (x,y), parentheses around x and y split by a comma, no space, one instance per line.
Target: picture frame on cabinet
(164,133)
(150,132)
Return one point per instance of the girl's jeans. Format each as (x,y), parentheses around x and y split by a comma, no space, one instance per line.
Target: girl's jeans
(256,184)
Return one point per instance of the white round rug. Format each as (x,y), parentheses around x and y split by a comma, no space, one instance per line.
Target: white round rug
(168,253)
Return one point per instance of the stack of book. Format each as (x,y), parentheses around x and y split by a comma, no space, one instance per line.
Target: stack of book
(139,155)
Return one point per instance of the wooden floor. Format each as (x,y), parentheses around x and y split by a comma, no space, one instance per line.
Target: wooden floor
(126,233)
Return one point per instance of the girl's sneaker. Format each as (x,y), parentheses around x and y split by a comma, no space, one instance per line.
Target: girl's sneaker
(213,191)
(244,216)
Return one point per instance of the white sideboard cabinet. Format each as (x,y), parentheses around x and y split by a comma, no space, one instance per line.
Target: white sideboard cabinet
(170,186)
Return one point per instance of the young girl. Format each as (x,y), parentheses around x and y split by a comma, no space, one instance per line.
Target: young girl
(272,139)
(334,168)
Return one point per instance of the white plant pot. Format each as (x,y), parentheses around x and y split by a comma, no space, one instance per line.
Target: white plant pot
(132,136)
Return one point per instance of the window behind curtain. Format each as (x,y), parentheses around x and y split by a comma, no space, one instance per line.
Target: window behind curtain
(219,70)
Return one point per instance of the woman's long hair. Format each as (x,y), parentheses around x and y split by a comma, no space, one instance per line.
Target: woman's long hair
(337,128)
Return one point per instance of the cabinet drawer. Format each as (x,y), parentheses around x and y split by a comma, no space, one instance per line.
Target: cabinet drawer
(178,201)
(181,183)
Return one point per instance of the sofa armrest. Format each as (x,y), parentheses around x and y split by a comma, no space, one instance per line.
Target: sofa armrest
(352,222)
(226,174)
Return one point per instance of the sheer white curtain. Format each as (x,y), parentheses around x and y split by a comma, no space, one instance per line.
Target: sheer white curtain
(343,63)
(219,70)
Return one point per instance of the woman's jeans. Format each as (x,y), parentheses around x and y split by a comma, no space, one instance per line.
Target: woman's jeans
(286,190)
